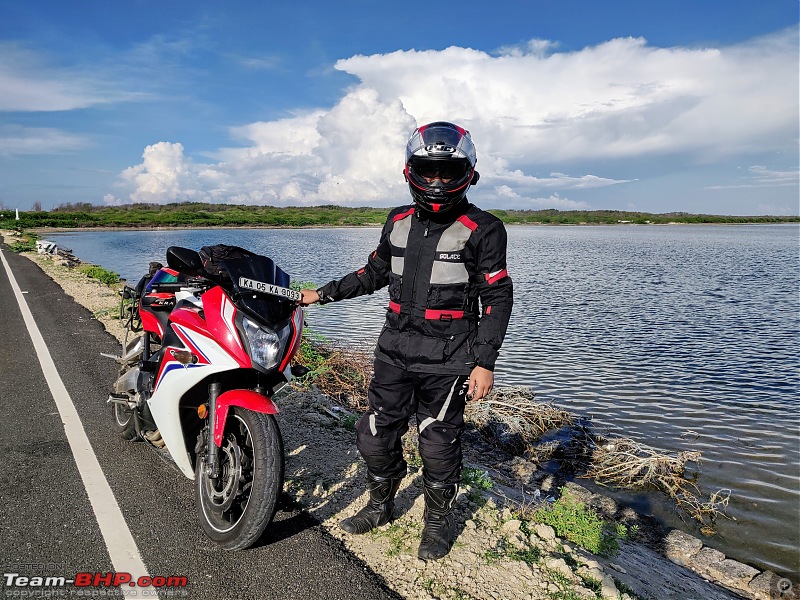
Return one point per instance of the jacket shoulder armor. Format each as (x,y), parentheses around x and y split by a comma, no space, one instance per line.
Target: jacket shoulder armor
(482,218)
(400,212)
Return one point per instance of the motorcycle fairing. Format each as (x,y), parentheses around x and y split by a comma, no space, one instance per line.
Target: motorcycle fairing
(215,341)
(243,398)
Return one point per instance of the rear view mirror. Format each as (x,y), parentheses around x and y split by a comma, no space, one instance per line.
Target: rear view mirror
(184,260)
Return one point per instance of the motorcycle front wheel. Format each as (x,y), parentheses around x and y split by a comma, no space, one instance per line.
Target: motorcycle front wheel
(236,507)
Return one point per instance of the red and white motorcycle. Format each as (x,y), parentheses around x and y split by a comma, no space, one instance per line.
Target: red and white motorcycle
(217,338)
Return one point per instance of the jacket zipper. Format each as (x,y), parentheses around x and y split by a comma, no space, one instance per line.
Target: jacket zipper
(416,265)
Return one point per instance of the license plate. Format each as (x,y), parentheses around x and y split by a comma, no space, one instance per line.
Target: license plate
(268,288)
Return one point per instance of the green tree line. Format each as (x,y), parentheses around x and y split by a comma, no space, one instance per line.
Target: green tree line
(193,214)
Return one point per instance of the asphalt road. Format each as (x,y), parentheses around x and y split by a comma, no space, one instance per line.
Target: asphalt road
(47,525)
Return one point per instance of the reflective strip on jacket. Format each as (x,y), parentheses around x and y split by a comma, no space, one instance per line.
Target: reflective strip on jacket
(450,295)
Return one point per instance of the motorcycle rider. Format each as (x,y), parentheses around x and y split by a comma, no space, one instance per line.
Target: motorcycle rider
(450,299)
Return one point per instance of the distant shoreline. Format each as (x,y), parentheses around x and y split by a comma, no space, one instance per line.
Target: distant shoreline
(203,216)
(45,230)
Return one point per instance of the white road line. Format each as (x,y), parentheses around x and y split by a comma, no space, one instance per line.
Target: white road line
(120,543)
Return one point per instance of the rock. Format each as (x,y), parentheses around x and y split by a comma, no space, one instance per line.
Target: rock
(608,589)
(681,547)
(511,526)
(580,493)
(594,573)
(604,505)
(706,560)
(617,568)
(518,540)
(770,586)
(732,573)
(559,565)
(317,419)
(545,532)
(584,593)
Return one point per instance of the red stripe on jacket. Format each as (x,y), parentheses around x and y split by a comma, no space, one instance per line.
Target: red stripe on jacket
(408,213)
(440,315)
(490,279)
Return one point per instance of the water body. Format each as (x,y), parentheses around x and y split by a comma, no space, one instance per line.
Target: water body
(682,337)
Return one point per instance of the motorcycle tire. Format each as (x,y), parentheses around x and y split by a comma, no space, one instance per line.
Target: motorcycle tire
(124,422)
(236,508)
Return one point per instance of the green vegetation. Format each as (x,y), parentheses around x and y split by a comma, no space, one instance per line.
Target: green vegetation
(573,521)
(195,214)
(476,478)
(26,245)
(349,422)
(401,533)
(192,214)
(99,273)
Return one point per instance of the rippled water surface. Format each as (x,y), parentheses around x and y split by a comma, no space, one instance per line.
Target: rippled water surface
(683,337)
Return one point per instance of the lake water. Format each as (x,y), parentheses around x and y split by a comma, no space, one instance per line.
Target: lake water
(682,337)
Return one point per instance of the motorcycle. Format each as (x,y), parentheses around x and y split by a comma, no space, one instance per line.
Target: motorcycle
(217,337)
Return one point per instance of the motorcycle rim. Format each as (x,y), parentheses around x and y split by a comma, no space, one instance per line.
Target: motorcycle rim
(124,421)
(236,508)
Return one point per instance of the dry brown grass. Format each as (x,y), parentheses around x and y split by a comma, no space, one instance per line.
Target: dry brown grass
(514,420)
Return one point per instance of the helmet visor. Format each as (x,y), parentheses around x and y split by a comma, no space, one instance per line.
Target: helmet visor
(437,139)
(446,170)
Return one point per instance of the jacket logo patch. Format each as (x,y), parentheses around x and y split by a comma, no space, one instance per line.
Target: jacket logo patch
(449,256)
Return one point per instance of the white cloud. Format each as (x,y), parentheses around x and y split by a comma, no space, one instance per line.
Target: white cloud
(163,176)
(18,140)
(761,177)
(526,107)
(513,199)
(28,84)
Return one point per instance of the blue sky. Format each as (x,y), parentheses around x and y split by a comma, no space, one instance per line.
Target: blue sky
(572,104)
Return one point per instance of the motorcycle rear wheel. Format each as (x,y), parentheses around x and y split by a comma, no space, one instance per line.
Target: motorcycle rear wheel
(235,509)
(124,422)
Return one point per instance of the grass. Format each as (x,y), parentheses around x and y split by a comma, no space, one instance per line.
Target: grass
(529,556)
(99,273)
(574,522)
(349,422)
(476,478)
(401,534)
(26,245)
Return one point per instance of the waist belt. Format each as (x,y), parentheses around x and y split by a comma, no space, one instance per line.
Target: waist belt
(433,314)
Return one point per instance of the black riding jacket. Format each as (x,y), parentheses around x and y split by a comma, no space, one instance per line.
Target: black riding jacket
(438,268)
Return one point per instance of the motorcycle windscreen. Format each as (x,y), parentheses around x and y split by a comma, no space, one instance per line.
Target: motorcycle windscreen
(271,309)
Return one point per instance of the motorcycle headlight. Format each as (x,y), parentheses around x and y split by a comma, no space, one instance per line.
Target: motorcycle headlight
(264,344)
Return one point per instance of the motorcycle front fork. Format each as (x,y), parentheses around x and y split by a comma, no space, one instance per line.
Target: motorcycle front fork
(212,452)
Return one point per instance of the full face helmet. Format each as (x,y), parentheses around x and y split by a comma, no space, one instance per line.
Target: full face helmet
(440,165)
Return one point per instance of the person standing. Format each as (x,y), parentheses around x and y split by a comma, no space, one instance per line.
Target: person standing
(450,299)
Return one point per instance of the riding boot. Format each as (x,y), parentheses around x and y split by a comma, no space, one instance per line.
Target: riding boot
(440,524)
(379,508)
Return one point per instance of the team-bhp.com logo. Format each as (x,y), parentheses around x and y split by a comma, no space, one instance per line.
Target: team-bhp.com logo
(91,580)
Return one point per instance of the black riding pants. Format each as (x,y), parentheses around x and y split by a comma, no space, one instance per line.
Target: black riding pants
(437,400)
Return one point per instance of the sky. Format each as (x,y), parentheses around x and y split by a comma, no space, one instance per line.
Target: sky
(658,106)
